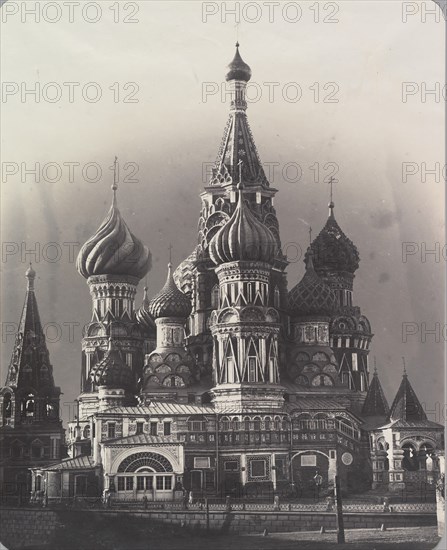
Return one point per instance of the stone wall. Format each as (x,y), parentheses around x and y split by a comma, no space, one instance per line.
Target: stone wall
(22,528)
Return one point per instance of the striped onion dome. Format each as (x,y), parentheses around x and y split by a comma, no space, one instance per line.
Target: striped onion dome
(243,238)
(170,301)
(113,249)
(143,316)
(312,296)
(111,371)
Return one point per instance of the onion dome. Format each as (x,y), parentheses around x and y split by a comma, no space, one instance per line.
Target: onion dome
(142,314)
(333,250)
(243,238)
(113,249)
(112,371)
(238,69)
(312,296)
(170,301)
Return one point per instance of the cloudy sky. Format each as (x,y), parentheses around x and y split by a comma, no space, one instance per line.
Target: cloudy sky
(346,86)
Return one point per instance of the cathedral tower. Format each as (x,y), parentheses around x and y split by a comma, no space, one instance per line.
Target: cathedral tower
(113,261)
(31,432)
(336,259)
(237,160)
(245,326)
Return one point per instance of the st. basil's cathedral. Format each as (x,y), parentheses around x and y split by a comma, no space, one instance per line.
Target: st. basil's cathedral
(225,382)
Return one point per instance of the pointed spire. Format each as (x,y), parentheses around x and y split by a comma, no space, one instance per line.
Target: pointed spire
(237,142)
(406,405)
(30,338)
(375,403)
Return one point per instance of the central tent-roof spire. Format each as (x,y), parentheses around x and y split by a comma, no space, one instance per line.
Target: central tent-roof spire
(237,142)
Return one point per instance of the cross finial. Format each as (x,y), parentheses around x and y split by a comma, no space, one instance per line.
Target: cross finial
(237,33)
(170,247)
(310,235)
(405,367)
(375,365)
(115,178)
(331,203)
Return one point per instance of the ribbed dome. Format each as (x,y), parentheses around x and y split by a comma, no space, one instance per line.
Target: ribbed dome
(243,238)
(114,250)
(170,301)
(332,249)
(112,371)
(142,314)
(238,69)
(311,296)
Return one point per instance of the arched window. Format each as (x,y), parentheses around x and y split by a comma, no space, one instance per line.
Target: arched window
(277,423)
(28,405)
(215,297)
(225,424)
(268,423)
(36,449)
(257,424)
(236,424)
(87,432)
(276,297)
(246,424)
(7,407)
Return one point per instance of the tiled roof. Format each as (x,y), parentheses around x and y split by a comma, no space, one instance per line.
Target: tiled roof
(401,423)
(163,408)
(78,463)
(375,403)
(313,403)
(142,439)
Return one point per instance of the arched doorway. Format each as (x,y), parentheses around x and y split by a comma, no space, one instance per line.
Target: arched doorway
(310,473)
(145,475)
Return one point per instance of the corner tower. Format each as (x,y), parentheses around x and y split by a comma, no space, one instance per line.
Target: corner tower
(31,432)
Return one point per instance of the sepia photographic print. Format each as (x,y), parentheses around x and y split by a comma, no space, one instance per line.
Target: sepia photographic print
(222,275)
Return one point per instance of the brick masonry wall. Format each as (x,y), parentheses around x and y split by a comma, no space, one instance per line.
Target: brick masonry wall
(26,528)
(22,528)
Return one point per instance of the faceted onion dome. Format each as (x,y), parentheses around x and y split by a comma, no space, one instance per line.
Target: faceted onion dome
(142,314)
(243,238)
(113,249)
(312,296)
(170,301)
(238,69)
(112,371)
(333,250)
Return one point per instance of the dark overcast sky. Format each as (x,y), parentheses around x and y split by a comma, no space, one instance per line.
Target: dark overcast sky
(172,131)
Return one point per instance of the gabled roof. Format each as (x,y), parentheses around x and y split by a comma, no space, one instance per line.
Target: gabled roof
(406,405)
(375,403)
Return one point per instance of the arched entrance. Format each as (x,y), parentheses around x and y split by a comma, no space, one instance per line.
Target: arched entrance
(310,473)
(144,475)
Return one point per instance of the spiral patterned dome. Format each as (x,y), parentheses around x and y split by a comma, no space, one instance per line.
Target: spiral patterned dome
(312,296)
(143,316)
(238,69)
(114,250)
(243,238)
(333,250)
(170,301)
(112,371)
